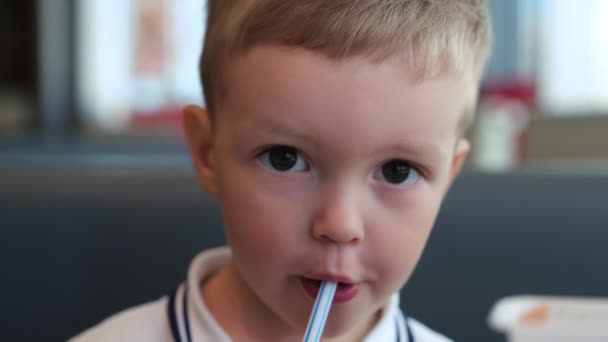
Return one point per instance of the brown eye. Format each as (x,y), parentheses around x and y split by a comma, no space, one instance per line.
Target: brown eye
(398,172)
(283,159)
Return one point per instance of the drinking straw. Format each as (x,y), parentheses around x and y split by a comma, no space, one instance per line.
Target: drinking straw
(320,311)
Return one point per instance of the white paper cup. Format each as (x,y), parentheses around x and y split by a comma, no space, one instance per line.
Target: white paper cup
(551,319)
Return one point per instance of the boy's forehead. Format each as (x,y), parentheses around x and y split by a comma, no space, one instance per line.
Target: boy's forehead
(282,57)
(273,81)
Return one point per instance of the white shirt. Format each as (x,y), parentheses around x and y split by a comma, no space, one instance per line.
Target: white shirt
(150,322)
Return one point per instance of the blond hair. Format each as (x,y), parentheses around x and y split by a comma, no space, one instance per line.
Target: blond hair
(437,36)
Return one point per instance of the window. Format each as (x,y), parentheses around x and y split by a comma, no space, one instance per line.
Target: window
(573,57)
(137,61)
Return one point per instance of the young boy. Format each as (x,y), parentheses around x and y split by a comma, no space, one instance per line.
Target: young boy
(332,131)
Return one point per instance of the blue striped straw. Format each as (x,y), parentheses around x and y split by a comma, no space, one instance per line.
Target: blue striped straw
(320,311)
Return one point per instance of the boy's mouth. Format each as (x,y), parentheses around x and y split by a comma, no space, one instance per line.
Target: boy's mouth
(345,291)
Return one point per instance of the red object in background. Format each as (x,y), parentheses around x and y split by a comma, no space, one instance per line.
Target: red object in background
(168,117)
(521,90)
(515,89)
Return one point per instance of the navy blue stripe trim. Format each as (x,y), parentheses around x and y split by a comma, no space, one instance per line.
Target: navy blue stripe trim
(186,319)
(408,329)
(397,330)
(172,317)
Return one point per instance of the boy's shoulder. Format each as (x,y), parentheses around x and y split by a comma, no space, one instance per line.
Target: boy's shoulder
(146,322)
(150,321)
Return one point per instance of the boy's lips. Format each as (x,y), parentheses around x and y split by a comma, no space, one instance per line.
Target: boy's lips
(345,291)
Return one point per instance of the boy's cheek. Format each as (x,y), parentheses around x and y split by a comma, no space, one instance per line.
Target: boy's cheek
(263,211)
(397,262)
(397,238)
(257,235)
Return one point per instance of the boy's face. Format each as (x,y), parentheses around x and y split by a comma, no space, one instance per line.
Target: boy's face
(327,169)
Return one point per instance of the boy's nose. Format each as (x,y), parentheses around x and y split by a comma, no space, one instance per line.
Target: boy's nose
(338,221)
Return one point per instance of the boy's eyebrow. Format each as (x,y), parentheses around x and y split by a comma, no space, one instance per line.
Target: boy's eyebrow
(269,125)
(427,150)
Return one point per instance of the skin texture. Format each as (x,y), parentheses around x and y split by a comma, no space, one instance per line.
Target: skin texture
(334,212)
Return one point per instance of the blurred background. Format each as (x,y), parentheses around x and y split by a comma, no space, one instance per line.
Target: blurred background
(111,74)
(100,210)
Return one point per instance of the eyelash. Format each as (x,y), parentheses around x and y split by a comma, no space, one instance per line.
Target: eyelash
(264,154)
(420,170)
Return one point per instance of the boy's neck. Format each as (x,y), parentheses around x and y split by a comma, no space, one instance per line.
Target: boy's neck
(244,318)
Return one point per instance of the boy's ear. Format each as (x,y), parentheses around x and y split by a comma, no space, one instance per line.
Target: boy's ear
(199,135)
(460,156)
